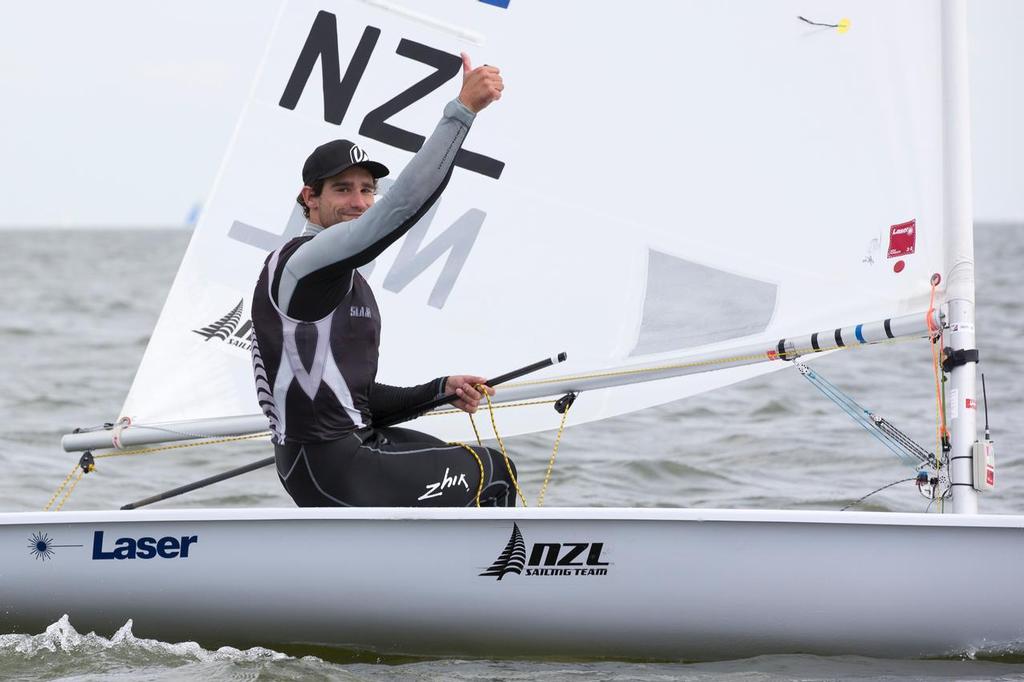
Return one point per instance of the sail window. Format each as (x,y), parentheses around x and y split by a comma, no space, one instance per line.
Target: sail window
(688,305)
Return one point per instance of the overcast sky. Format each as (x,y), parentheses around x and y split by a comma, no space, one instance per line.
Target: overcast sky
(117,112)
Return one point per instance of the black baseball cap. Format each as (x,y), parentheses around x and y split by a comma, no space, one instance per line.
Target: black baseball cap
(336,156)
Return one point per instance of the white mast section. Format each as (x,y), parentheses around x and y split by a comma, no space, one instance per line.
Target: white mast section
(790,348)
(959,265)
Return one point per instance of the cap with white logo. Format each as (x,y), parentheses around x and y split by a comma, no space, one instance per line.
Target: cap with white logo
(336,157)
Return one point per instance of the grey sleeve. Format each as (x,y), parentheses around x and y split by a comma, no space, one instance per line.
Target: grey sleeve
(356,242)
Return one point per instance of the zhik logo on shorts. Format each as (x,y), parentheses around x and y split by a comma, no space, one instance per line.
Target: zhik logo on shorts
(449,480)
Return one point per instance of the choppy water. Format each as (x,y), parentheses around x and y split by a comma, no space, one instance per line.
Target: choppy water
(78,307)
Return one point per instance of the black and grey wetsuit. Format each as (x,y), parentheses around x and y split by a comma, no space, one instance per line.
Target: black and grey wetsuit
(316,339)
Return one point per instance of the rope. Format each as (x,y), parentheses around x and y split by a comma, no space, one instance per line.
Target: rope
(70,490)
(122,424)
(504,453)
(551,462)
(479,488)
(889,485)
(60,488)
(888,435)
(935,334)
(438,413)
(501,443)
(476,432)
(142,451)
(181,446)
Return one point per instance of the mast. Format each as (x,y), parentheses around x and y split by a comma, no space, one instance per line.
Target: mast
(959,250)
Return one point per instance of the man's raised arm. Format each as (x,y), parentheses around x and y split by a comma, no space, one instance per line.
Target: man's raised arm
(356,242)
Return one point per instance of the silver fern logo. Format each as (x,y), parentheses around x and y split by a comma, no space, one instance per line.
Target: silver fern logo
(226,328)
(511,559)
(548,558)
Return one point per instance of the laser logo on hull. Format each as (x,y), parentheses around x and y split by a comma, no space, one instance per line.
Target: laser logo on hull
(167,547)
(41,546)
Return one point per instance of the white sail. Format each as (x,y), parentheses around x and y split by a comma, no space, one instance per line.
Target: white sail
(658,180)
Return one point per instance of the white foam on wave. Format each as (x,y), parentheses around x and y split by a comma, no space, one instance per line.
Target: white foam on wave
(63,638)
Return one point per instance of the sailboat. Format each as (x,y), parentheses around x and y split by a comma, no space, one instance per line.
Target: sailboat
(799,179)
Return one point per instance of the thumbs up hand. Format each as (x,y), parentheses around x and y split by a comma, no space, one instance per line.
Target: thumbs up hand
(480,86)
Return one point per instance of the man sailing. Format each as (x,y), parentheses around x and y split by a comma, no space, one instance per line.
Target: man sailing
(317,335)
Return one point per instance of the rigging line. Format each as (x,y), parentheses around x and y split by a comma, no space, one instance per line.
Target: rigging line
(143,451)
(71,489)
(60,488)
(873,423)
(892,432)
(936,336)
(504,453)
(189,434)
(792,354)
(180,446)
(438,413)
(924,458)
(888,485)
(864,418)
(479,463)
(554,453)
(476,432)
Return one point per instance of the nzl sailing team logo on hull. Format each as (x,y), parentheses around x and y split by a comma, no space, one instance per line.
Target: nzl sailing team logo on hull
(548,558)
(226,328)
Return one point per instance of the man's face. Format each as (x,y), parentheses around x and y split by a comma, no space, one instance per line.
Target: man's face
(344,197)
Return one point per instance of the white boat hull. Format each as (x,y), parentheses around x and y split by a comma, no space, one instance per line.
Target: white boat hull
(617,583)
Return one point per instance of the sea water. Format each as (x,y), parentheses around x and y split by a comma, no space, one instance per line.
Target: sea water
(78,307)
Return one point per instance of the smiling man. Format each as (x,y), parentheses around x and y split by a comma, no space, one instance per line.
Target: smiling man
(317,334)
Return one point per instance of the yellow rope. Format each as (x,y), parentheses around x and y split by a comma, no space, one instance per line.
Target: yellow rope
(935,334)
(501,443)
(551,462)
(437,413)
(143,451)
(192,444)
(60,488)
(70,490)
(479,488)
(476,432)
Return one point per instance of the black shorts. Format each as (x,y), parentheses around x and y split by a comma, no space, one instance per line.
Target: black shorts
(393,467)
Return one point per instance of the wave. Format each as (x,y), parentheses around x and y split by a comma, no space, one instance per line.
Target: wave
(62,638)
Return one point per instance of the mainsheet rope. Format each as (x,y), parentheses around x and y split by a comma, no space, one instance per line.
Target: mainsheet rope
(504,453)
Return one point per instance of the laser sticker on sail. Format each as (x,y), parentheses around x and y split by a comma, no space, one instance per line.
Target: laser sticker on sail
(902,239)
